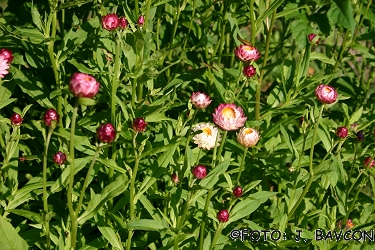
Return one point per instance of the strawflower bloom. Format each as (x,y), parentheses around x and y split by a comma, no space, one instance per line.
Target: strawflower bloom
(247,53)
(326,94)
(223,215)
(83,85)
(249,71)
(200,100)
(3,66)
(139,125)
(174,178)
(7,55)
(199,172)
(123,23)
(369,162)
(237,191)
(229,117)
(110,21)
(206,139)
(360,136)
(342,132)
(141,20)
(106,133)
(248,137)
(50,116)
(16,119)
(349,224)
(59,158)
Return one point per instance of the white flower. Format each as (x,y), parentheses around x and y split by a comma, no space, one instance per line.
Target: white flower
(206,139)
(3,67)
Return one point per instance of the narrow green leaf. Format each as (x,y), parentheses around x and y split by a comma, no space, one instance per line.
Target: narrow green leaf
(356,116)
(108,232)
(146,225)
(341,13)
(322,57)
(9,237)
(36,218)
(6,102)
(36,18)
(243,209)
(213,176)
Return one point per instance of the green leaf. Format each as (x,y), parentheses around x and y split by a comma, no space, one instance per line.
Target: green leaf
(321,57)
(6,102)
(9,237)
(243,209)
(108,232)
(112,164)
(210,180)
(86,101)
(27,192)
(341,13)
(157,117)
(36,18)
(356,116)
(146,225)
(82,68)
(275,4)
(300,29)
(27,214)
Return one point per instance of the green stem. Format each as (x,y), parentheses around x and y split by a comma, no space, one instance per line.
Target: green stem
(191,24)
(136,8)
(342,49)
(186,145)
(252,18)
(2,143)
(216,236)
(222,144)
(73,215)
(45,202)
(240,64)
(174,28)
(241,166)
(204,218)
(134,91)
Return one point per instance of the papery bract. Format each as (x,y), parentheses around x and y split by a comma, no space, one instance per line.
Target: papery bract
(326,94)
(248,137)
(16,119)
(223,215)
(139,125)
(237,191)
(59,158)
(360,136)
(200,100)
(141,20)
(369,162)
(206,139)
(249,71)
(110,21)
(83,85)
(3,67)
(7,55)
(342,132)
(229,117)
(106,133)
(247,53)
(199,172)
(123,23)
(50,116)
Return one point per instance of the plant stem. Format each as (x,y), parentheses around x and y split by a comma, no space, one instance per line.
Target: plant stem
(136,8)
(45,202)
(216,236)
(186,145)
(191,24)
(222,144)
(252,18)
(204,218)
(73,215)
(241,166)
(259,87)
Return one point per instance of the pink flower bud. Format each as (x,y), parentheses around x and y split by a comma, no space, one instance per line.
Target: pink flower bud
(22,158)
(326,94)
(199,172)
(106,133)
(83,85)
(3,66)
(141,20)
(139,125)
(59,158)
(311,38)
(7,55)
(174,178)
(247,53)
(223,215)
(51,116)
(200,100)
(369,162)
(123,23)
(249,71)
(110,21)
(237,191)
(342,132)
(349,224)
(16,119)
(248,137)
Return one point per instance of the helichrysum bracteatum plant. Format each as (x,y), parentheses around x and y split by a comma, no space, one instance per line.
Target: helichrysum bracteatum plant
(187,124)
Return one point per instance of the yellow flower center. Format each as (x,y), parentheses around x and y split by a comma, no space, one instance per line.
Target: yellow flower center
(327,90)
(207,131)
(248,47)
(248,131)
(228,113)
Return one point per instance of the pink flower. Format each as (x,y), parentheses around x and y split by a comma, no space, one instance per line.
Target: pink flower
(200,100)
(110,21)
(342,132)
(174,178)
(16,119)
(248,137)
(249,71)
(59,158)
(141,20)
(106,133)
(123,23)
(83,85)
(349,224)
(247,53)
(311,38)
(229,117)
(237,191)
(369,162)
(223,215)
(51,118)
(7,55)
(326,94)
(3,66)
(199,172)
(139,125)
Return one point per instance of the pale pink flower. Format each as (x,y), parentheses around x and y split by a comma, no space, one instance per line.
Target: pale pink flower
(229,117)
(248,137)
(206,139)
(110,21)
(83,85)
(3,66)
(141,20)
(247,53)
(326,94)
(7,54)
(200,100)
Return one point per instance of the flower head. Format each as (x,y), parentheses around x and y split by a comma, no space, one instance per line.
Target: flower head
(311,38)
(349,224)
(200,100)
(59,158)
(7,55)
(123,23)
(106,133)
(16,119)
(199,172)
(326,94)
(110,21)
(3,66)
(141,20)
(174,178)
(229,117)
(237,191)
(249,71)
(360,136)
(369,162)
(342,132)
(248,137)
(83,85)
(223,215)
(247,53)
(206,139)
(50,117)
(139,125)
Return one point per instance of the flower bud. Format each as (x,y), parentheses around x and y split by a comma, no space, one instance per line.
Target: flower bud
(50,117)
(3,66)
(369,162)
(248,137)
(7,55)
(360,136)
(174,178)
(106,133)
(139,125)
(237,191)
(110,21)
(16,119)
(311,38)
(326,94)
(199,172)
(342,132)
(246,53)
(123,23)
(223,215)
(349,224)
(83,85)
(59,158)
(141,20)
(200,100)
(249,71)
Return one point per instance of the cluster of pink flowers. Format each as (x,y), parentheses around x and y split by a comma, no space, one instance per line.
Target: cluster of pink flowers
(112,22)
(247,54)
(6,59)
